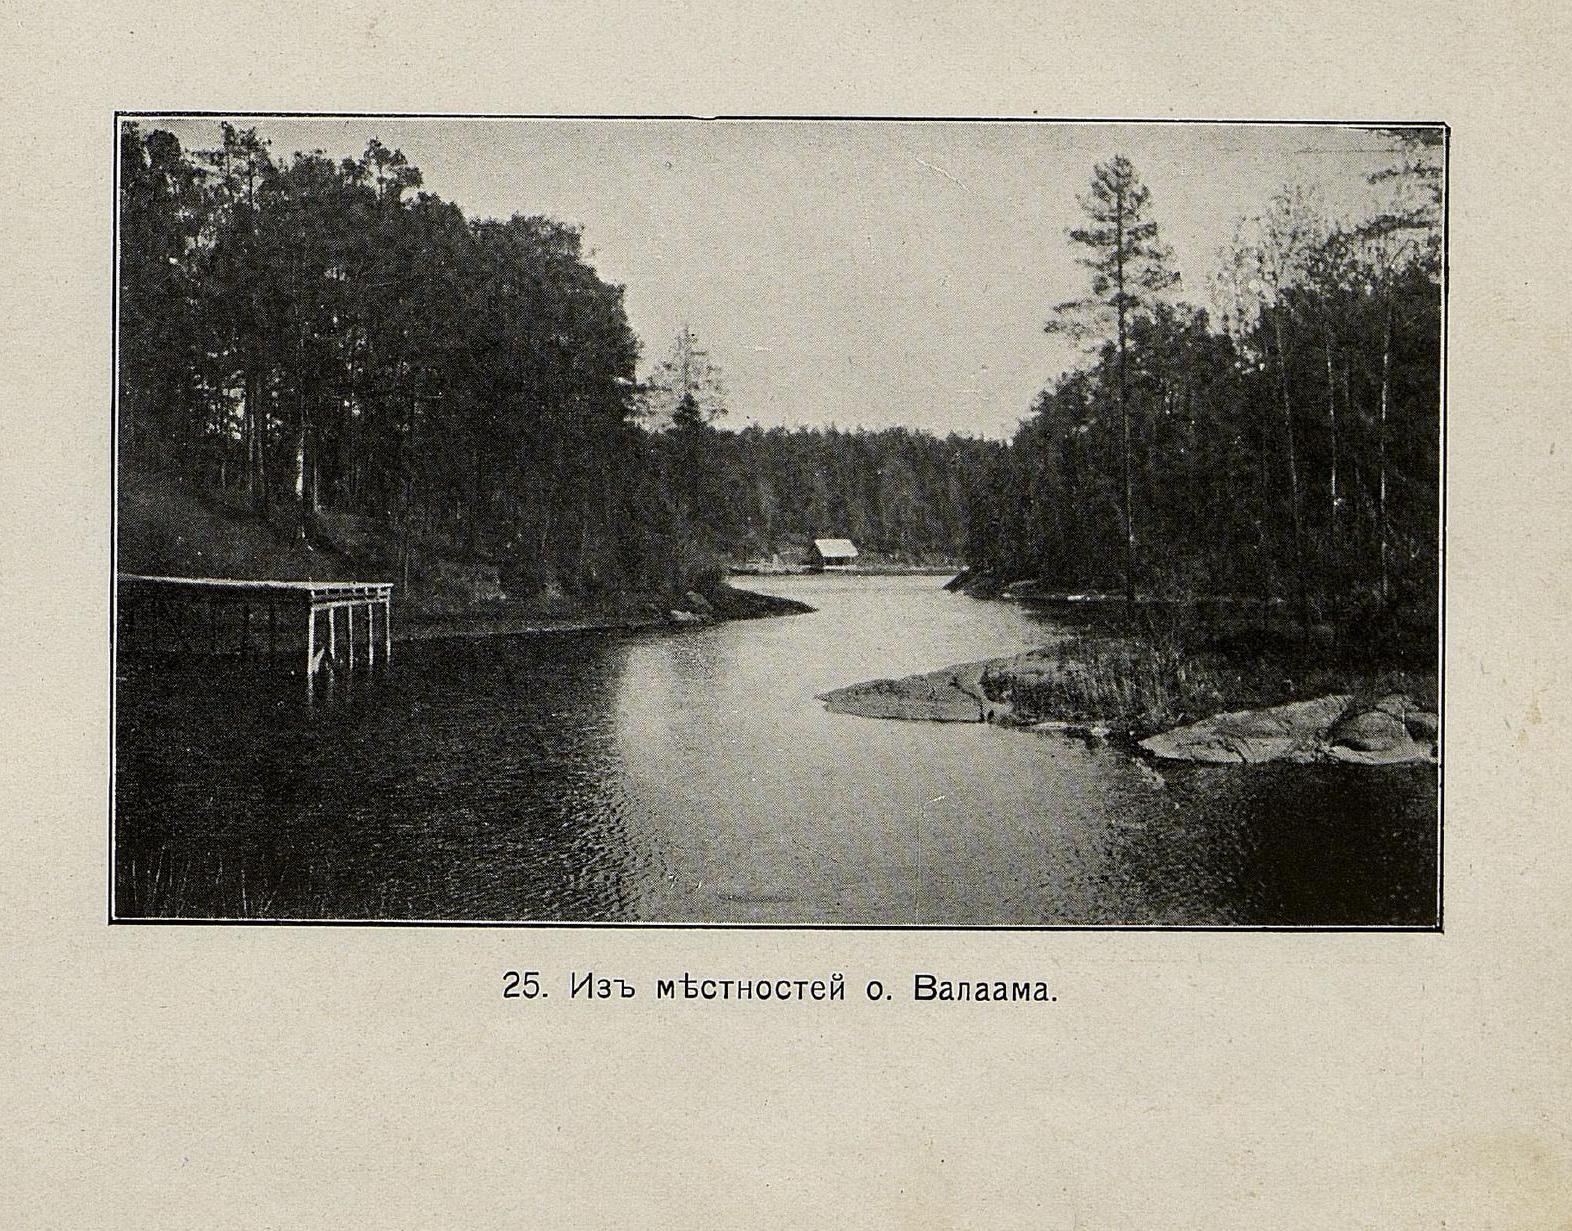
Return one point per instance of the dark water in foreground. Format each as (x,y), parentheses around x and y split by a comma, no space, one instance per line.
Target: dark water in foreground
(691,777)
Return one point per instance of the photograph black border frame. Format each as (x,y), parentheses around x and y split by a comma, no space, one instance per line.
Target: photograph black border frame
(122,114)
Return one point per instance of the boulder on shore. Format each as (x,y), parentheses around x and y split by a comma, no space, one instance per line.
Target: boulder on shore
(1283,732)
(1391,731)
(1422,726)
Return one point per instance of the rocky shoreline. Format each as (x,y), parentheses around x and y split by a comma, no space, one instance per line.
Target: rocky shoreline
(1392,730)
(1387,729)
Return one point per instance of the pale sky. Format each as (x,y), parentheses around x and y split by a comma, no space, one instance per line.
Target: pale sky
(853,272)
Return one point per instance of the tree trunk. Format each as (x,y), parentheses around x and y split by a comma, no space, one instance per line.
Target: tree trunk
(478,503)
(256,440)
(1386,383)
(1331,417)
(1124,417)
(1293,473)
(305,476)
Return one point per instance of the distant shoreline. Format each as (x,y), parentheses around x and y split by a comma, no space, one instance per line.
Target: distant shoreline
(872,570)
(718,604)
(503,626)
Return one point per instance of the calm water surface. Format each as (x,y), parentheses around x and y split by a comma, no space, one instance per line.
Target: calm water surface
(690,776)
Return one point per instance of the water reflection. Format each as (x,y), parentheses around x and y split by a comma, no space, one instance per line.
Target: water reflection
(692,777)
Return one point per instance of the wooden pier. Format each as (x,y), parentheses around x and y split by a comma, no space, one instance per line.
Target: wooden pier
(253,619)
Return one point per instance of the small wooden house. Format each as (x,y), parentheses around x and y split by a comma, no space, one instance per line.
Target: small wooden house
(832,554)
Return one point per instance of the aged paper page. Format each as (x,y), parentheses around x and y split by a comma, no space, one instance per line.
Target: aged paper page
(304,1076)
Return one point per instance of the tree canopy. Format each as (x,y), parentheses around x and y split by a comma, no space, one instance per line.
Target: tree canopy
(315,340)
(1289,451)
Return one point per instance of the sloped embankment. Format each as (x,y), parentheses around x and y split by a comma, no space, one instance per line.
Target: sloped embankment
(169,528)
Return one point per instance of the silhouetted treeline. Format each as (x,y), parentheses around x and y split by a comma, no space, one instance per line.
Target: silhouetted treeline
(310,337)
(1287,451)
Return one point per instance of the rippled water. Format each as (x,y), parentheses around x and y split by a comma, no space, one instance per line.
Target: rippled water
(690,776)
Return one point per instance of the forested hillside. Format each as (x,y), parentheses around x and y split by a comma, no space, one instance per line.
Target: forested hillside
(1285,448)
(328,367)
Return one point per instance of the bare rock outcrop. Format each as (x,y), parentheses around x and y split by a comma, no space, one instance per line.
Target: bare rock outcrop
(1282,732)
(952,695)
(1391,731)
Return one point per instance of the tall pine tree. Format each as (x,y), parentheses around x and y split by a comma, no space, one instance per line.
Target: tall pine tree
(1130,269)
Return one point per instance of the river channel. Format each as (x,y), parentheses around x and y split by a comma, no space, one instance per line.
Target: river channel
(691,777)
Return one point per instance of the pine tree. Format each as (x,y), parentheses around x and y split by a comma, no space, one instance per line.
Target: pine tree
(1130,269)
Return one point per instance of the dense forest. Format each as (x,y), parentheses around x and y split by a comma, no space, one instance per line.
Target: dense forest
(1286,450)
(326,348)
(899,494)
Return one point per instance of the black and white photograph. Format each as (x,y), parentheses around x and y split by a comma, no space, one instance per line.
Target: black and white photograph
(777,522)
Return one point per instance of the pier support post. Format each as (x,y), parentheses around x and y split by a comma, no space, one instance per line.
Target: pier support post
(332,615)
(371,635)
(387,630)
(349,622)
(311,649)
